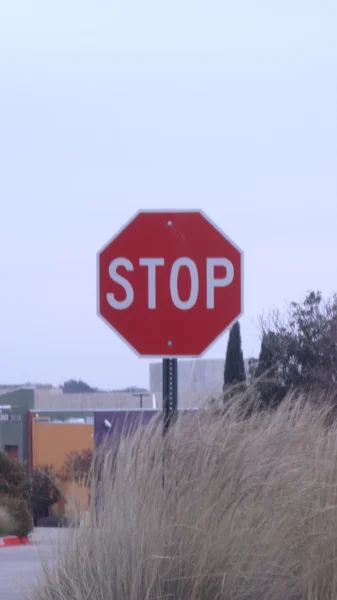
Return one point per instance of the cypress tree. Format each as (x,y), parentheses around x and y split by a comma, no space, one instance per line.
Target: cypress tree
(266,361)
(234,365)
(271,387)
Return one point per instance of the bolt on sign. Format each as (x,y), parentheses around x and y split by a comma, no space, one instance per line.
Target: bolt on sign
(170,283)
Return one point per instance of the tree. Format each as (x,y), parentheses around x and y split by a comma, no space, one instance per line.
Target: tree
(77,466)
(234,365)
(267,356)
(252,368)
(131,389)
(269,384)
(72,386)
(299,349)
(45,492)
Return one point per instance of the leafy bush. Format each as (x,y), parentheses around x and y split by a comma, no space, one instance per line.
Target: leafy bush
(15,495)
(45,492)
(14,480)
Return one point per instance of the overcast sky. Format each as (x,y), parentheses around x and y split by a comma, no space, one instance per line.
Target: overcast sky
(111,106)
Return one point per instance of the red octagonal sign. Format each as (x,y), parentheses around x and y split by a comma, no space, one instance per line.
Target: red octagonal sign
(170,283)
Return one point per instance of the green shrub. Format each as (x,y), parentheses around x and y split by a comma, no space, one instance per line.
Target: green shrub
(45,492)
(14,480)
(15,497)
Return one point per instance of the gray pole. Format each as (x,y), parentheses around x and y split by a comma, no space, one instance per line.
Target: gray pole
(141,395)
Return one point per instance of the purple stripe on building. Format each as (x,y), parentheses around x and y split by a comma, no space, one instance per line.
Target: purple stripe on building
(110,426)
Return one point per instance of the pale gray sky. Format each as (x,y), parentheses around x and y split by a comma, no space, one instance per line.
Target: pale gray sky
(111,106)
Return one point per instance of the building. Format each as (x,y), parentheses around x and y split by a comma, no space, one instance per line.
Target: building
(55,438)
(17,403)
(46,428)
(49,399)
(14,409)
(117,424)
(198,381)
(198,375)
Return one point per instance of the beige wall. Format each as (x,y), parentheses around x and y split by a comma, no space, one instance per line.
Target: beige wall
(47,400)
(50,400)
(54,399)
(190,399)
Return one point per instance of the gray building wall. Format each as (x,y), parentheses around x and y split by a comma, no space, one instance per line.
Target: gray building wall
(14,430)
(201,376)
(199,380)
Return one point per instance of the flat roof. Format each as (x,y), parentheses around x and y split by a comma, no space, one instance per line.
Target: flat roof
(86,410)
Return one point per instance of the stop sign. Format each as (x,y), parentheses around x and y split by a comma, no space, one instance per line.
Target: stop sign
(170,283)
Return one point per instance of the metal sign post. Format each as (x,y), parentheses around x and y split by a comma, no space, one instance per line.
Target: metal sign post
(170,391)
(170,401)
(170,282)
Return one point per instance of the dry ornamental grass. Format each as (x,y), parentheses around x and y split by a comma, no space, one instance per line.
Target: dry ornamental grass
(7,524)
(248,511)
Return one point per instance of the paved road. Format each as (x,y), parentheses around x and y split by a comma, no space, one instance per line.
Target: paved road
(21,566)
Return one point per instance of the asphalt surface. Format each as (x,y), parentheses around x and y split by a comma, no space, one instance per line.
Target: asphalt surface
(20,567)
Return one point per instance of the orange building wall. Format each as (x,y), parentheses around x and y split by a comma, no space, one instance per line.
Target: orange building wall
(51,443)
